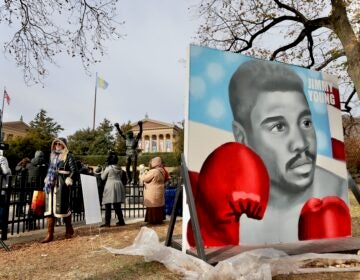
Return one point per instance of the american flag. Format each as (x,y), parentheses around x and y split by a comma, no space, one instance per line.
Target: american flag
(7,97)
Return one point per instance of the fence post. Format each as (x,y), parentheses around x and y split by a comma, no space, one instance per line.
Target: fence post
(5,204)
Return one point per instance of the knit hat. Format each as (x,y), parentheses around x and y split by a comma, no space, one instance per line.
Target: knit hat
(156,161)
(39,154)
(62,139)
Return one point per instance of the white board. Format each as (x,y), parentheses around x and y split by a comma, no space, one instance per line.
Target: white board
(91,199)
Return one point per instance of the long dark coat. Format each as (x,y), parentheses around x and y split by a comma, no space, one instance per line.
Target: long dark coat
(57,202)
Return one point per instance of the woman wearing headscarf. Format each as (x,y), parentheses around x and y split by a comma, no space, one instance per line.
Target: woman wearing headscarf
(154,191)
(58,180)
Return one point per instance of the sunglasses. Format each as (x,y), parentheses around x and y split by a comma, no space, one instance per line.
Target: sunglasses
(57,143)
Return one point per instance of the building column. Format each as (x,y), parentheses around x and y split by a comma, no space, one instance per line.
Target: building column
(171,142)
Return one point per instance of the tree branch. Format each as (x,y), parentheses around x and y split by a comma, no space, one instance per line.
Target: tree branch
(333,57)
(264,29)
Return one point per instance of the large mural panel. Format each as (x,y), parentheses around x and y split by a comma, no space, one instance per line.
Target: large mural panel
(264,149)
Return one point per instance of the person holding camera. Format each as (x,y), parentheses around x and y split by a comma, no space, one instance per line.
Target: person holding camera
(154,191)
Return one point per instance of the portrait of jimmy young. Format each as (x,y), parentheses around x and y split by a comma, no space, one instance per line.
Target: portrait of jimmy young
(287,115)
(272,116)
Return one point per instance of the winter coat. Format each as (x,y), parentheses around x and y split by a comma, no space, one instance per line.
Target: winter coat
(37,169)
(21,168)
(154,192)
(114,190)
(4,172)
(4,166)
(57,201)
(21,172)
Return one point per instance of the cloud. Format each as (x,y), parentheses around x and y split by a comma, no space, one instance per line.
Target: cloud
(215,72)
(197,87)
(216,109)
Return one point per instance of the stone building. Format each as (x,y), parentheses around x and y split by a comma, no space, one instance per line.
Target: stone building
(10,130)
(157,136)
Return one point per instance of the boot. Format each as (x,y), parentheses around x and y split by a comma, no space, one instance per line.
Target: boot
(50,235)
(119,214)
(107,215)
(68,226)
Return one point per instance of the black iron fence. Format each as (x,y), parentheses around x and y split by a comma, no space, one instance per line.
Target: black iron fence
(16,215)
(16,193)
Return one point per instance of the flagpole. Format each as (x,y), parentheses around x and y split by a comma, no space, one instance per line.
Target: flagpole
(1,116)
(96,80)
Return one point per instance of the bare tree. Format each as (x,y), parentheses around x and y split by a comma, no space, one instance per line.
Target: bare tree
(43,30)
(316,34)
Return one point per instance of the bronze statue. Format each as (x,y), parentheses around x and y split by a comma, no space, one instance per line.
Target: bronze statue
(131,144)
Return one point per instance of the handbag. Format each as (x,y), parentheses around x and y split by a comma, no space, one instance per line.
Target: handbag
(38,203)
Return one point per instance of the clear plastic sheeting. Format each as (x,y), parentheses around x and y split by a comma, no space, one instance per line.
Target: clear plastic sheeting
(266,263)
(147,244)
(253,264)
(256,264)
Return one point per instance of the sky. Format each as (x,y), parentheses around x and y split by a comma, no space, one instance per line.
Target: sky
(145,70)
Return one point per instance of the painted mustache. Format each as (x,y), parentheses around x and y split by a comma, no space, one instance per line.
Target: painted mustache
(300,159)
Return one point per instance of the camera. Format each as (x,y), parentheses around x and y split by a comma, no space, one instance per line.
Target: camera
(4,146)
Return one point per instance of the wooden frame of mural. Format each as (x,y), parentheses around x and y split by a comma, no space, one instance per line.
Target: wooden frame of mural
(214,255)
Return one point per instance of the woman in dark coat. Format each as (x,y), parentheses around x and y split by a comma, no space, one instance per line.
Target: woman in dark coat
(59,179)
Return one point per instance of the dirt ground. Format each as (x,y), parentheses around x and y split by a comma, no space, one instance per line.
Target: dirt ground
(84,256)
(81,257)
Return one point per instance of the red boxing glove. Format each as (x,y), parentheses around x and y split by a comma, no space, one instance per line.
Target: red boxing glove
(233,180)
(326,218)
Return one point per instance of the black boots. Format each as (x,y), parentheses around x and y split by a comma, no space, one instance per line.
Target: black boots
(119,214)
(107,215)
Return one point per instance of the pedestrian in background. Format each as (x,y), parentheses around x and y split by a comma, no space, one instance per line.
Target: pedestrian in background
(5,171)
(21,172)
(37,169)
(114,190)
(21,167)
(100,183)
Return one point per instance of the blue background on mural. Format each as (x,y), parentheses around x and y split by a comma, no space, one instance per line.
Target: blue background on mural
(210,72)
